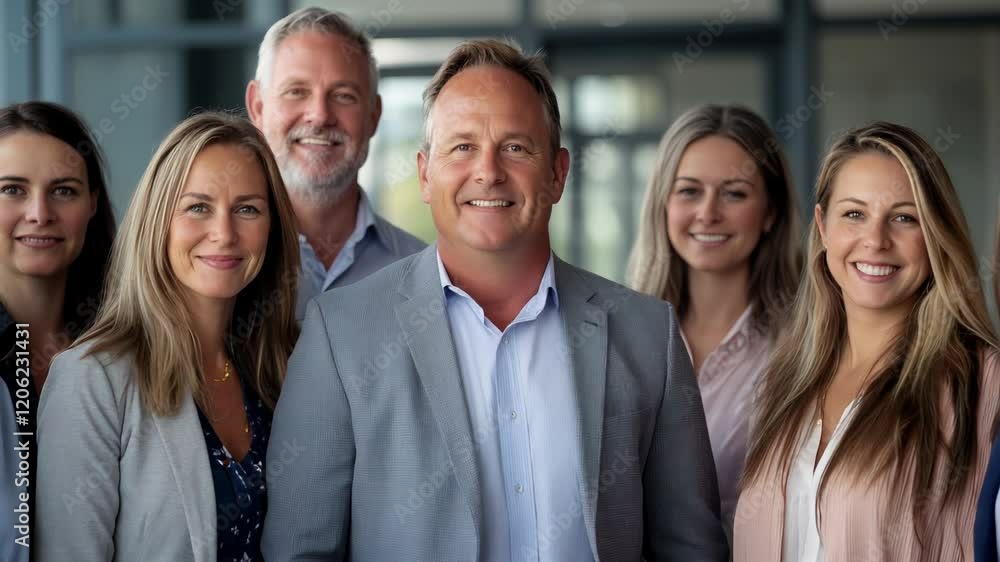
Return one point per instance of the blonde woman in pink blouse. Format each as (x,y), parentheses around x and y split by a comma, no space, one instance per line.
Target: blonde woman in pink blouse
(718,238)
(874,419)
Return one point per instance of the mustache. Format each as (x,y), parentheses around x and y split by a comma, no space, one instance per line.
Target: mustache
(329,134)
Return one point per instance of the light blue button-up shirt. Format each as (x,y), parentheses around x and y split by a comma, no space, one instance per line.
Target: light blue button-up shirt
(316,278)
(521,396)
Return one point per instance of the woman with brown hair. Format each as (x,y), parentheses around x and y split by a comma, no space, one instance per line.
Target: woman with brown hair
(719,238)
(873,421)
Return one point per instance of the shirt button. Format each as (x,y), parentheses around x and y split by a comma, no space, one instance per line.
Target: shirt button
(519,488)
(513,415)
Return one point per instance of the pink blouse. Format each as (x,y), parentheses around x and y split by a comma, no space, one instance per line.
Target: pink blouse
(857,522)
(726,380)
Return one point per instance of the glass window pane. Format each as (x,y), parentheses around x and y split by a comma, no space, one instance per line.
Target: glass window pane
(112,13)
(656,90)
(217,78)
(413,52)
(390,174)
(717,79)
(897,11)
(624,103)
(603,229)
(643,160)
(131,100)
(615,13)
(561,227)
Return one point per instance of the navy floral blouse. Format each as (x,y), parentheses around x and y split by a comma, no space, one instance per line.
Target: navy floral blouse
(240,489)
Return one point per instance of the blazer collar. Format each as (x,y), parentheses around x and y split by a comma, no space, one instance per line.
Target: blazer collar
(423,318)
(187,454)
(585,320)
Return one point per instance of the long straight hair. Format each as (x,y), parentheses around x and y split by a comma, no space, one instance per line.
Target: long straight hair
(87,272)
(934,361)
(143,311)
(656,269)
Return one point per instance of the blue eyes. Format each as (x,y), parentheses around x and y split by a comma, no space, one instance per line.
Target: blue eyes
(340,97)
(902,219)
(515,148)
(202,208)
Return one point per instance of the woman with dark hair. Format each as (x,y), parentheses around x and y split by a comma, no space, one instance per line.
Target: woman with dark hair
(56,225)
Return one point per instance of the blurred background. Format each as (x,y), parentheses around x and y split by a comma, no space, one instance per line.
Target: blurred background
(624,69)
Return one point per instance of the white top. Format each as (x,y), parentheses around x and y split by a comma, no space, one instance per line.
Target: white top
(996,514)
(800,540)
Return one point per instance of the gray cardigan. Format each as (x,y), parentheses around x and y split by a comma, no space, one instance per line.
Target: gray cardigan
(116,482)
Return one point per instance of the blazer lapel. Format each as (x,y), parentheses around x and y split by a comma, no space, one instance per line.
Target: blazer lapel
(187,454)
(587,338)
(433,352)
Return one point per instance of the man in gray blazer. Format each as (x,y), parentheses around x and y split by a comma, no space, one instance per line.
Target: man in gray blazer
(315,98)
(482,399)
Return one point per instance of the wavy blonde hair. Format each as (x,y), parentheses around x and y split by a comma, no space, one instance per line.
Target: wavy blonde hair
(936,355)
(142,314)
(655,269)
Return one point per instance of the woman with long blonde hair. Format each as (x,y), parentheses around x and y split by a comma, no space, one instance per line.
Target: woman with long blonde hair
(873,421)
(718,238)
(162,409)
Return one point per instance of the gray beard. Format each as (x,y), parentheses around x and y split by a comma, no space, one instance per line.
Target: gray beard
(327,191)
(318,193)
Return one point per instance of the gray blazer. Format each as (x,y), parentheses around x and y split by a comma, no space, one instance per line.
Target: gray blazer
(384,466)
(114,481)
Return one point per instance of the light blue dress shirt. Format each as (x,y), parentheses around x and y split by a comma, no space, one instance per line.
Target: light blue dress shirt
(316,278)
(521,396)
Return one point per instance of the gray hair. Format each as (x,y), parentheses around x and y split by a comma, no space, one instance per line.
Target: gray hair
(492,52)
(322,21)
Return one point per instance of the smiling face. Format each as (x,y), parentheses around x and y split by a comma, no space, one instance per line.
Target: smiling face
(219,230)
(717,208)
(489,174)
(317,112)
(45,205)
(875,247)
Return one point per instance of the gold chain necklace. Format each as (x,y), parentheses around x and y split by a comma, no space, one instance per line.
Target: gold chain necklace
(226,374)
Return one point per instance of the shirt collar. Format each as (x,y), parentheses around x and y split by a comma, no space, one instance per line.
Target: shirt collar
(365,220)
(366,216)
(742,326)
(546,288)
